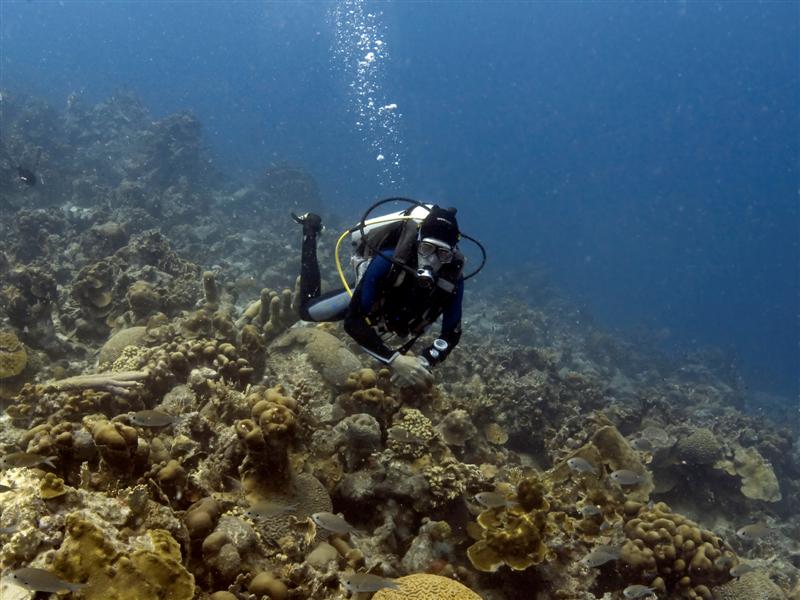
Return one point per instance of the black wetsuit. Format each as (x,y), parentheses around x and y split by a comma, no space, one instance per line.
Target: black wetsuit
(386,300)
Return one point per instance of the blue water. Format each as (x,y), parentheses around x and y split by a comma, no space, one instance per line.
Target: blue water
(646,153)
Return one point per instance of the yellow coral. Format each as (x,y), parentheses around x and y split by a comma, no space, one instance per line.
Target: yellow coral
(758,478)
(517,535)
(13,356)
(113,572)
(423,586)
(673,554)
(51,487)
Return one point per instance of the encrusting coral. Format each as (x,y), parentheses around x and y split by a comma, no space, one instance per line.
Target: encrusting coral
(13,356)
(758,480)
(148,566)
(516,535)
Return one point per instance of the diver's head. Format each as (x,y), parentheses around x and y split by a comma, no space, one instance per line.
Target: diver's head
(438,236)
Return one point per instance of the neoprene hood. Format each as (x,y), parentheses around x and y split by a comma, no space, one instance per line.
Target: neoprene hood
(440,224)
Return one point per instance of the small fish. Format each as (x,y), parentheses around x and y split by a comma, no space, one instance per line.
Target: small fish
(7,488)
(590,510)
(333,523)
(725,561)
(26,459)
(581,465)
(153,418)
(42,580)
(7,530)
(265,509)
(404,436)
(491,499)
(366,582)
(626,477)
(753,532)
(741,569)
(655,435)
(637,591)
(26,176)
(600,556)
(642,445)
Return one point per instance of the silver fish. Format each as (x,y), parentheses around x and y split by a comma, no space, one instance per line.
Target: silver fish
(642,445)
(404,436)
(725,561)
(332,522)
(42,580)
(7,488)
(6,530)
(491,499)
(590,510)
(265,509)
(637,591)
(366,582)
(153,418)
(626,477)
(741,569)
(581,465)
(26,459)
(600,556)
(753,532)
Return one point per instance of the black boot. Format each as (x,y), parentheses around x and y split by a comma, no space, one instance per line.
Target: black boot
(312,223)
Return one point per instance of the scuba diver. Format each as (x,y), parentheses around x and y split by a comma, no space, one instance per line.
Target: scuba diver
(24,175)
(408,273)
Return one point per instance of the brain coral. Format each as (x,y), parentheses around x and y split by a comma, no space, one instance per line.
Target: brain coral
(701,447)
(750,586)
(13,356)
(422,586)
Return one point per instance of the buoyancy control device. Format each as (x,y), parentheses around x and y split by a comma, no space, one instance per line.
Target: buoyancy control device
(397,231)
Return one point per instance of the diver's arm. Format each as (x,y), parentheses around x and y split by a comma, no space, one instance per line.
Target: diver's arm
(451,328)
(364,298)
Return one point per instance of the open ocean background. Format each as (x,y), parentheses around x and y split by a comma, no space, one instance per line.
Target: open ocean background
(645,154)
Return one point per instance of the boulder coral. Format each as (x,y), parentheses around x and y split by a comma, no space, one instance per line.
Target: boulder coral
(673,555)
(424,586)
(700,447)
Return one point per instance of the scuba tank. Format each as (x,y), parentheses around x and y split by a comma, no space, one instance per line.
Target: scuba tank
(397,230)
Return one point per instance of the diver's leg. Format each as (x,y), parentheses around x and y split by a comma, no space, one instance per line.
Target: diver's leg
(310,279)
(330,306)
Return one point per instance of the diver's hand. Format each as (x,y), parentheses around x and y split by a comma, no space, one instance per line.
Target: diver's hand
(410,371)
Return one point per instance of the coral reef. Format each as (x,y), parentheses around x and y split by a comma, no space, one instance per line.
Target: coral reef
(170,430)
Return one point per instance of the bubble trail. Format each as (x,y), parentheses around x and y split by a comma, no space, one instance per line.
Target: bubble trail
(360,51)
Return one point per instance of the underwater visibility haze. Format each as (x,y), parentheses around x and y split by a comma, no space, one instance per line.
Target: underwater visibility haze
(609,409)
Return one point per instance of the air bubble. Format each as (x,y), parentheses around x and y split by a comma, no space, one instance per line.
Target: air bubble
(360,52)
